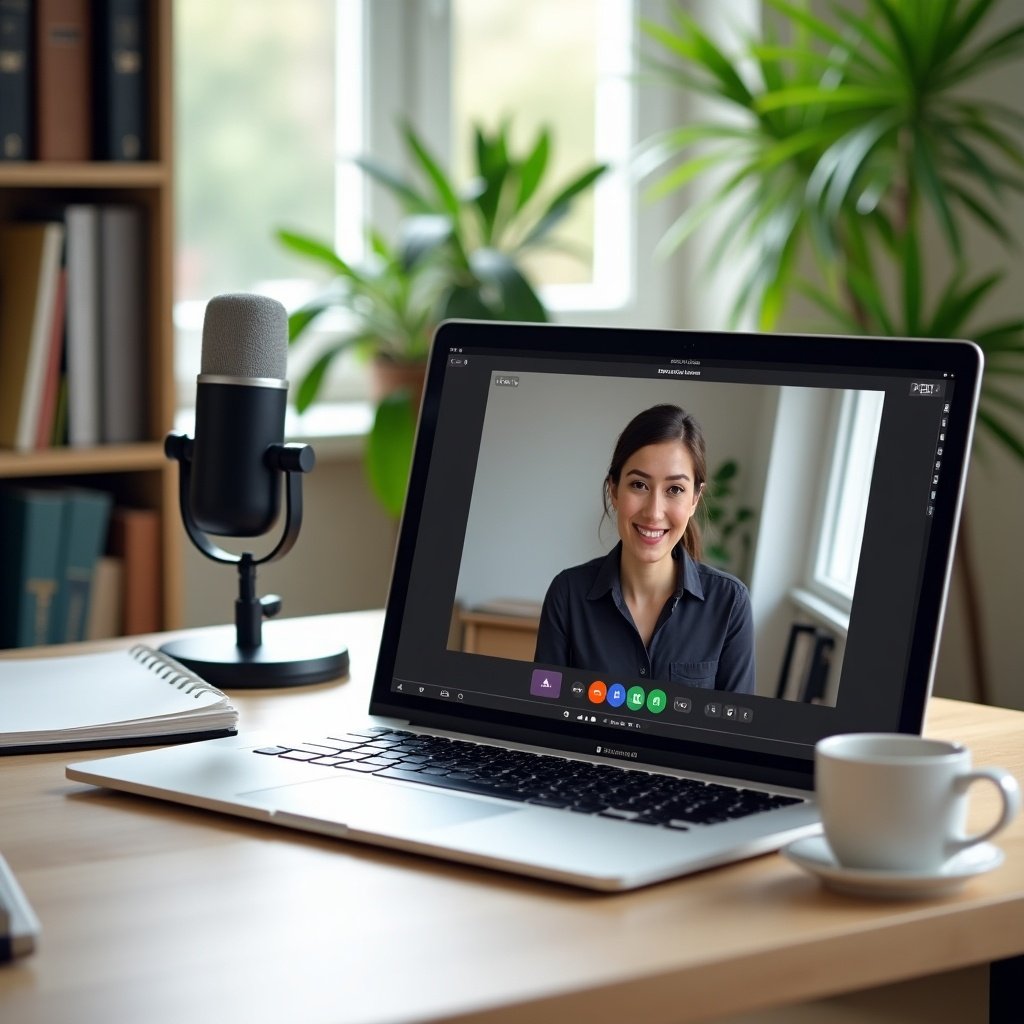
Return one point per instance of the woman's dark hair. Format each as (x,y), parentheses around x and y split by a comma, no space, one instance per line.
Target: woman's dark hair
(657,425)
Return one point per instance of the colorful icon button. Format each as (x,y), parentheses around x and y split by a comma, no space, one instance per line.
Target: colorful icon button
(656,701)
(597,692)
(545,683)
(635,697)
(616,695)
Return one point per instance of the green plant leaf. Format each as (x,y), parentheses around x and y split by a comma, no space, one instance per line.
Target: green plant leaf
(558,207)
(314,249)
(533,169)
(504,289)
(312,381)
(447,199)
(411,200)
(389,450)
(421,236)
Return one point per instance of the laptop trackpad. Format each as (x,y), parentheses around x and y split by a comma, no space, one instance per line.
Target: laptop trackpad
(374,807)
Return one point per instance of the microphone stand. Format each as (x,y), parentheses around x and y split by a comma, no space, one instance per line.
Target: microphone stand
(251,661)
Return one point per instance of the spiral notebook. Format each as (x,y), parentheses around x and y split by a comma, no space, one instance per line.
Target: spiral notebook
(109,699)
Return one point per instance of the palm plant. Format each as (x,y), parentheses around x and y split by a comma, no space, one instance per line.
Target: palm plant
(855,139)
(458,253)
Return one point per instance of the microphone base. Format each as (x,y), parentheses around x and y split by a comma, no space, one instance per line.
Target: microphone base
(217,658)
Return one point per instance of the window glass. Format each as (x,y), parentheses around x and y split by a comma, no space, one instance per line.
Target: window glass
(842,528)
(564,65)
(254,149)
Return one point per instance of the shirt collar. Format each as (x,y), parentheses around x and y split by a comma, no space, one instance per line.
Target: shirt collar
(609,580)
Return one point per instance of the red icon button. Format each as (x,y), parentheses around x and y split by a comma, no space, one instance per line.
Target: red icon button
(597,692)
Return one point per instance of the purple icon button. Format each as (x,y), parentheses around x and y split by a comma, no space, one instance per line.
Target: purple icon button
(545,683)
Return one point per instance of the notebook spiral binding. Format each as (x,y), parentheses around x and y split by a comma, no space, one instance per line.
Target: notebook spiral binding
(172,671)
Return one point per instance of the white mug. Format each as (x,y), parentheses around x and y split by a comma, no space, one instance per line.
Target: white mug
(895,802)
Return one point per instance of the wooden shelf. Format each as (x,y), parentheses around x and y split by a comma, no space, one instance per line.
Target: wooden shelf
(136,474)
(122,458)
(98,175)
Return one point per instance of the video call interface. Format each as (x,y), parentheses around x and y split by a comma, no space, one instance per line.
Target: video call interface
(814,522)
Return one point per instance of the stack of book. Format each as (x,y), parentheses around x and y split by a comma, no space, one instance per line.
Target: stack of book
(73,80)
(72,329)
(75,567)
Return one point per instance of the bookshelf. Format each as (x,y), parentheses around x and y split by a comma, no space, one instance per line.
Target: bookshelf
(135,474)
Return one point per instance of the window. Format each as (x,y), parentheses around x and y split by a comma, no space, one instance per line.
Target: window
(273,100)
(841,530)
(254,150)
(580,51)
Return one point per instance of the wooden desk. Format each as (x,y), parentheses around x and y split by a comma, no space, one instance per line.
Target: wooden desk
(155,913)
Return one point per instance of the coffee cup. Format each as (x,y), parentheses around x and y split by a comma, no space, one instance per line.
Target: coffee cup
(894,802)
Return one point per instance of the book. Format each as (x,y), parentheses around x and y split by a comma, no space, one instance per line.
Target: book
(105,609)
(82,221)
(31,526)
(106,699)
(63,80)
(121,71)
(15,79)
(135,539)
(86,520)
(30,261)
(122,287)
(51,375)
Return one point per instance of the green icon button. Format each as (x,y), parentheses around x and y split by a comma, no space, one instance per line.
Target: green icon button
(635,698)
(656,701)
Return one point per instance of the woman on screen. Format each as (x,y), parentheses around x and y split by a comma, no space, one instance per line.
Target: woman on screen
(650,608)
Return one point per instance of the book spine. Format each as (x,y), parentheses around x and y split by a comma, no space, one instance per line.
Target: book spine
(63,80)
(42,334)
(15,79)
(83,325)
(45,425)
(120,80)
(122,286)
(30,262)
(135,539)
(32,524)
(85,533)
(105,609)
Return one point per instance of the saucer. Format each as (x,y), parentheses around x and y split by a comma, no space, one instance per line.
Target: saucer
(814,855)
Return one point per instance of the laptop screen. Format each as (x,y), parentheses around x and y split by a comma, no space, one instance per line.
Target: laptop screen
(693,549)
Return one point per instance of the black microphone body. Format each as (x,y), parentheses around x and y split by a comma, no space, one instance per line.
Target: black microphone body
(233,493)
(241,396)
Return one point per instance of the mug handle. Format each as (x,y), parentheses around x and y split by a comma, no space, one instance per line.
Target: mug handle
(1008,790)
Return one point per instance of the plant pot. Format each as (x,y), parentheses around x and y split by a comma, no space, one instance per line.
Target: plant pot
(388,376)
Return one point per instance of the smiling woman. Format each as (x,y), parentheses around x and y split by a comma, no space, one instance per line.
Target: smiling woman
(649,606)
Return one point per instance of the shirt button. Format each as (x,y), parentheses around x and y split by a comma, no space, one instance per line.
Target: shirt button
(643,671)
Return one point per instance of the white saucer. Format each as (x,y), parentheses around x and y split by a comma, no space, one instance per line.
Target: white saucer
(813,854)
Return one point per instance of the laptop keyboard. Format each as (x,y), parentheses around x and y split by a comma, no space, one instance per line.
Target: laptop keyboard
(628,794)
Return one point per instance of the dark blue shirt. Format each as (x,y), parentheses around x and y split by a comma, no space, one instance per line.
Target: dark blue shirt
(704,635)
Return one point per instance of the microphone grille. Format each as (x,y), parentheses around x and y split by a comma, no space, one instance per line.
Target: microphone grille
(245,336)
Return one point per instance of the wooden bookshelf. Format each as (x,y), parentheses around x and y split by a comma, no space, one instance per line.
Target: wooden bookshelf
(136,474)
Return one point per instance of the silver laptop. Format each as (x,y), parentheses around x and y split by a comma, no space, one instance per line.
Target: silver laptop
(639,574)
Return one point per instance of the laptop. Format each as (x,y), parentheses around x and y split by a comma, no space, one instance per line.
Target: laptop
(527,712)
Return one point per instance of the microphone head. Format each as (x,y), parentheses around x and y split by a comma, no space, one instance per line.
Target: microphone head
(245,336)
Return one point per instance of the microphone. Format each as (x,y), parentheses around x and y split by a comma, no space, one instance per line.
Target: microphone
(229,484)
(241,395)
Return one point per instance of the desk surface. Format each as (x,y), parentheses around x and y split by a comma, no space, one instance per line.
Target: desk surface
(161,913)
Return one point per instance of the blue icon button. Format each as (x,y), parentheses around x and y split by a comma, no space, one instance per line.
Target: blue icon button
(616,695)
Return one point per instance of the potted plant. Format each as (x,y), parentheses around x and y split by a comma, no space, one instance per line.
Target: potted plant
(458,253)
(841,143)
